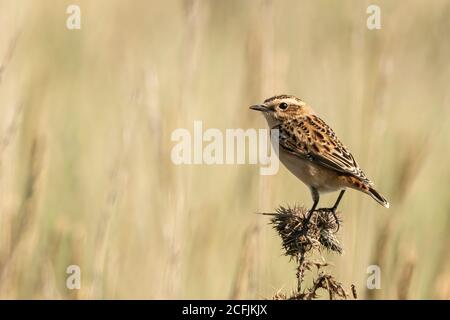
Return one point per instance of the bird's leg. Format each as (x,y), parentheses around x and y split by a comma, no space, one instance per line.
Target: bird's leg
(334,208)
(315,195)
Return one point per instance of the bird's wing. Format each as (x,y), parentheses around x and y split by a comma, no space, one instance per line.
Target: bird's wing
(309,137)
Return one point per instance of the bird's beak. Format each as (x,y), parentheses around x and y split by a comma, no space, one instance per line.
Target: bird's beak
(260,107)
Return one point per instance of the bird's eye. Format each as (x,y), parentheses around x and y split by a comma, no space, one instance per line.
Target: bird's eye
(283,106)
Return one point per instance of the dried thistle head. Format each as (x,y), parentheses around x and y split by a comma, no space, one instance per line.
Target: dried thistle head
(299,237)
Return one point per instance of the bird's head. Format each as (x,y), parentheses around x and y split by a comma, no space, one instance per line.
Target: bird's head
(282,108)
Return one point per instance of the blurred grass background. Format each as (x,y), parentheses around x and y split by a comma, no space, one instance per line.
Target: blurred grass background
(85,125)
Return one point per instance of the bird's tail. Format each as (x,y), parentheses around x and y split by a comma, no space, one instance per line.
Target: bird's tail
(378,197)
(357,184)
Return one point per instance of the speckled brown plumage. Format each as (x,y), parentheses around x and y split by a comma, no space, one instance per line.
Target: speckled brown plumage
(311,150)
(310,137)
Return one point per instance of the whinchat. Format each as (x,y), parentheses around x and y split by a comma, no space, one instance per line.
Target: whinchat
(310,149)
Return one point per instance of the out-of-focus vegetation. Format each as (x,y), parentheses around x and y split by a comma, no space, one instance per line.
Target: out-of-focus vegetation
(86,119)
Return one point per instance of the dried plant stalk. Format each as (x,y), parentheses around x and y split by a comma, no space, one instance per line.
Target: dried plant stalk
(301,239)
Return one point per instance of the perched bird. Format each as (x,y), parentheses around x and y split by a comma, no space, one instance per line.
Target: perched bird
(310,149)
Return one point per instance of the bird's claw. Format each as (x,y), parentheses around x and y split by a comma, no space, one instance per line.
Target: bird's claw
(333,211)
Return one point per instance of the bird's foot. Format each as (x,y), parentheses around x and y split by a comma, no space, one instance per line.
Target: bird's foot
(336,219)
(307,219)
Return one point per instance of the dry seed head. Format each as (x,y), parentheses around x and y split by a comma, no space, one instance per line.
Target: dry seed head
(298,238)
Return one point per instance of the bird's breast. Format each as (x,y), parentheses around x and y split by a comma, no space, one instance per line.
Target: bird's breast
(312,174)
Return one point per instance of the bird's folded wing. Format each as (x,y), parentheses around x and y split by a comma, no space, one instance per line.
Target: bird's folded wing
(311,138)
